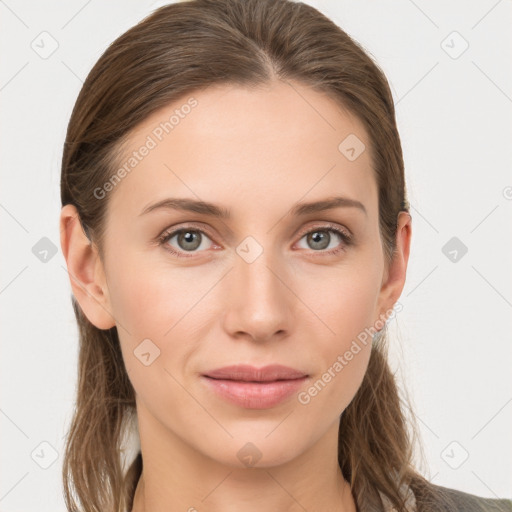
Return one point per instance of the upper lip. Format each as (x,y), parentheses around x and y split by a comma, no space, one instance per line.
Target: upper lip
(242,372)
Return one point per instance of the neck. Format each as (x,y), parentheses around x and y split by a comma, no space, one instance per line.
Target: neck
(249,497)
(180,479)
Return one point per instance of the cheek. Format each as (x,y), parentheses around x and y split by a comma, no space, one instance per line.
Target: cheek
(148,308)
(159,304)
(344,305)
(345,314)
(149,299)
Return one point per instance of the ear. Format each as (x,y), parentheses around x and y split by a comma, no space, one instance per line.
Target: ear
(85,270)
(394,278)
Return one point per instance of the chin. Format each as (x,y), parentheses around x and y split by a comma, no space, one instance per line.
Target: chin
(251,451)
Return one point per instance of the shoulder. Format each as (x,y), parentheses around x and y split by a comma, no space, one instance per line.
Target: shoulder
(446,499)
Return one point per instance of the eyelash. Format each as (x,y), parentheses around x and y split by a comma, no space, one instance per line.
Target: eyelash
(347,239)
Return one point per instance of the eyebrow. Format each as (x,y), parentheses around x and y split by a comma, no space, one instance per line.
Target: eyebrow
(213,210)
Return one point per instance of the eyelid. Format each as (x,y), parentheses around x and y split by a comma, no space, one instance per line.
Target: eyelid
(325,225)
(192,226)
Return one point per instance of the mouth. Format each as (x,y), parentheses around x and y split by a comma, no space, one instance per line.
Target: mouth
(255,388)
(246,373)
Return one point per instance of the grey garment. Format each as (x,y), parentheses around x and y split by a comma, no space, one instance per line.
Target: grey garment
(452,500)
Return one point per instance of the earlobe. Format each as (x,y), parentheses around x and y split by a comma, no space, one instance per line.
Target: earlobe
(394,281)
(85,270)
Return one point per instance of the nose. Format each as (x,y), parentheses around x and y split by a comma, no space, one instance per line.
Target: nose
(259,303)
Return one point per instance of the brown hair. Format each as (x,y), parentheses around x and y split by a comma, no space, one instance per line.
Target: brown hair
(178,49)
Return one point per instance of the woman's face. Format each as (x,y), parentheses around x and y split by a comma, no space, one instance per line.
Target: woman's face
(269,283)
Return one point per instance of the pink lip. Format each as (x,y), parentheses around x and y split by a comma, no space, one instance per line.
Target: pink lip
(255,388)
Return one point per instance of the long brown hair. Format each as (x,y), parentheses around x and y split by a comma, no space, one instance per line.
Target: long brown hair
(179,49)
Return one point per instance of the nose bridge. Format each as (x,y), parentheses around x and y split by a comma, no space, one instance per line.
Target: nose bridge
(259,302)
(260,278)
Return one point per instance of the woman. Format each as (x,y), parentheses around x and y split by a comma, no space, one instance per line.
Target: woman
(236,230)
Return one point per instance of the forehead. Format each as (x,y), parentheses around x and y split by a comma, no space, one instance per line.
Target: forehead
(278,143)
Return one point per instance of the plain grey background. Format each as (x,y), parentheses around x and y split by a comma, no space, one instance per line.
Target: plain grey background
(448,64)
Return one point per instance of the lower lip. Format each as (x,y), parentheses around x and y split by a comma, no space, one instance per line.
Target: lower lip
(255,395)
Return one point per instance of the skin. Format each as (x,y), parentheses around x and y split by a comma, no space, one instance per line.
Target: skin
(256,152)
